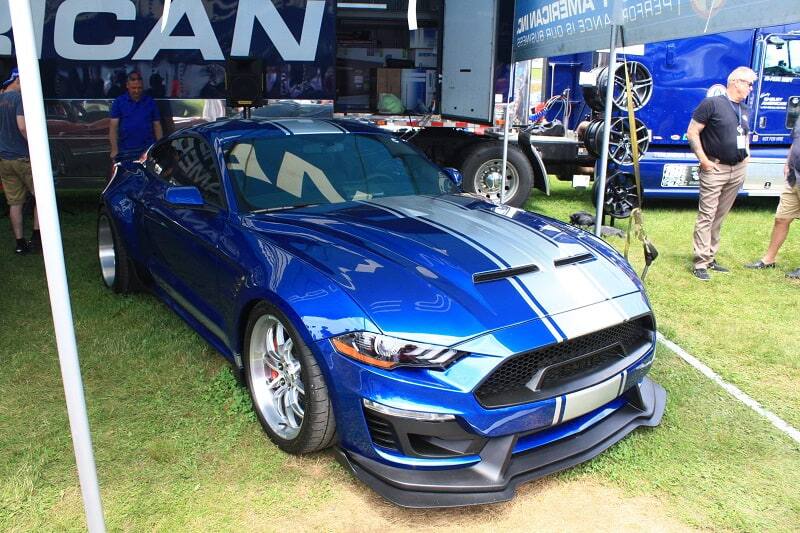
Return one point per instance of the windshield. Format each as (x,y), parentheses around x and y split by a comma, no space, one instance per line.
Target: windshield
(300,170)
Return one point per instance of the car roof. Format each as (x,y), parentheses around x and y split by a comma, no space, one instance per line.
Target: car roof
(228,131)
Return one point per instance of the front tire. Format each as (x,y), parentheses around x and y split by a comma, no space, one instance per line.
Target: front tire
(483,169)
(286,385)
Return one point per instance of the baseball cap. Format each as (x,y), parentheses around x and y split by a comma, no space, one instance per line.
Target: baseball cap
(14,75)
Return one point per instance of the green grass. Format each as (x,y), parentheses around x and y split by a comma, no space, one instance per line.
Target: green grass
(178,447)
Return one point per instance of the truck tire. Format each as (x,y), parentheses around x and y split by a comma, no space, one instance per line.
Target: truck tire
(482,170)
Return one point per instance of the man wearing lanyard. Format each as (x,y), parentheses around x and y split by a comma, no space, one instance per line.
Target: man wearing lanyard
(718,136)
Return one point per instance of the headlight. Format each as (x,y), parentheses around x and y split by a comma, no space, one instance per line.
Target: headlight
(389,352)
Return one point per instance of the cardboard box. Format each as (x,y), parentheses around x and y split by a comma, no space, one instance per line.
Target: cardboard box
(389,80)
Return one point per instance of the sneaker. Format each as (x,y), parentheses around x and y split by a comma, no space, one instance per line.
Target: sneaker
(759,265)
(701,274)
(794,274)
(716,267)
(22,247)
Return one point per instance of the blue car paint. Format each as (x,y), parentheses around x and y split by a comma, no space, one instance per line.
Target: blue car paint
(397,266)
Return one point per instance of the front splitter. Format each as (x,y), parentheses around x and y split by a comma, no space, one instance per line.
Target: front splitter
(496,477)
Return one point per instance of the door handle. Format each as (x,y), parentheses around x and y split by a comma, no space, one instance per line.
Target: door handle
(762,122)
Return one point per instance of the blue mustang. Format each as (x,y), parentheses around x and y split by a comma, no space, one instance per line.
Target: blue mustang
(450,348)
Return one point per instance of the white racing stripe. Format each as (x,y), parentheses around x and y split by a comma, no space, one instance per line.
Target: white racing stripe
(588,399)
(734,391)
(557,412)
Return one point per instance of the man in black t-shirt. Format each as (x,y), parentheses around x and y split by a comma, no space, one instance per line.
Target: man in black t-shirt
(788,208)
(718,136)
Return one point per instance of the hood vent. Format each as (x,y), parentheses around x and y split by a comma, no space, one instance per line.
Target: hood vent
(492,275)
(571,260)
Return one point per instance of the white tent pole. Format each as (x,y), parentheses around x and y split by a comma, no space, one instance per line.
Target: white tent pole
(601,184)
(31,83)
(506,130)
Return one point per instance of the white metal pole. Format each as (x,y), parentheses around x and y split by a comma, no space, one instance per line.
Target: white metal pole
(601,184)
(506,131)
(30,79)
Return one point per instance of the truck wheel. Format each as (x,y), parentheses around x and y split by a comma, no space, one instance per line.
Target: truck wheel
(620,198)
(483,173)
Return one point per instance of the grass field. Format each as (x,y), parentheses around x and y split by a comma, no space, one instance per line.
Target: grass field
(178,448)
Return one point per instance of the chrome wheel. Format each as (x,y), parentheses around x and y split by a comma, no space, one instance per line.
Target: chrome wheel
(106,252)
(275,377)
(489,177)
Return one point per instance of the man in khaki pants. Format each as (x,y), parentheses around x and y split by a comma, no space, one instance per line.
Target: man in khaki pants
(718,136)
(788,209)
(15,163)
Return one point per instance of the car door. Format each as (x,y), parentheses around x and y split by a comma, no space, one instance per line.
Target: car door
(182,254)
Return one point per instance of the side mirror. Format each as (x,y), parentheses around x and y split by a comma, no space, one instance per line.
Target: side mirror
(184,197)
(454,175)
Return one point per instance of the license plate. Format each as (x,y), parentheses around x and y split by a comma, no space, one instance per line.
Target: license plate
(676,175)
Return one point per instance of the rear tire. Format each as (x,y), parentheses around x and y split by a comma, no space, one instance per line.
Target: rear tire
(286,385)
(115,266)
(482,169)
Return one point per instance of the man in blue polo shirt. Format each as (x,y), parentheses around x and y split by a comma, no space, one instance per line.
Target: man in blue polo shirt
(135,121)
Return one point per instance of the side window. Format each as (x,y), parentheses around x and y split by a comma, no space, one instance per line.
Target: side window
(782,58)
(194,164)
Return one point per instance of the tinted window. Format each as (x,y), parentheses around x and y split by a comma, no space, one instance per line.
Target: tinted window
(299,170)
(187,161)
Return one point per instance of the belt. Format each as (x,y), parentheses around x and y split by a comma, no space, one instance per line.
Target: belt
(715,160)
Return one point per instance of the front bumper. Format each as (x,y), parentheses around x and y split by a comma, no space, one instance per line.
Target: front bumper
(495,477)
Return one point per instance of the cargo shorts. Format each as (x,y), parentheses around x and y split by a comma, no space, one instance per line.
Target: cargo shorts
(789,204)
(17,180)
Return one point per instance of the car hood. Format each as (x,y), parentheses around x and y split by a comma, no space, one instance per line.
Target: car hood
(451,264)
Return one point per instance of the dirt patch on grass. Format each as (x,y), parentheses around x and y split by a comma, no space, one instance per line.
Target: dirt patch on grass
(545,505)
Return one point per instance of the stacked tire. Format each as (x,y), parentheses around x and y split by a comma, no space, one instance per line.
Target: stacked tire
(620,192)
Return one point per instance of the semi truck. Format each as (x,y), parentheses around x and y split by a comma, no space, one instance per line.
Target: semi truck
(681,73)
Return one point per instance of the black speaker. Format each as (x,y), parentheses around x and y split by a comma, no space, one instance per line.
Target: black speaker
(244,81)
(6,64)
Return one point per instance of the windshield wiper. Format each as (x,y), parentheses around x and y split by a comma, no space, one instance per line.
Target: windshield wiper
(283,208)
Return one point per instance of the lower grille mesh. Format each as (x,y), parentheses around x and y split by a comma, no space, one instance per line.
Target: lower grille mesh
(580,356)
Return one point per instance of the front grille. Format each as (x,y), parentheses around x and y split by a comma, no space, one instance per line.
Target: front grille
(562,363)
(381,431)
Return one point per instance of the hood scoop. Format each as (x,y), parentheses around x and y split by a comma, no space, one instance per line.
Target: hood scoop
(492,275)
(573,259)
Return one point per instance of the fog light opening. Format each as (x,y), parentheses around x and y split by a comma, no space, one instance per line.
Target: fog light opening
(404,413)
